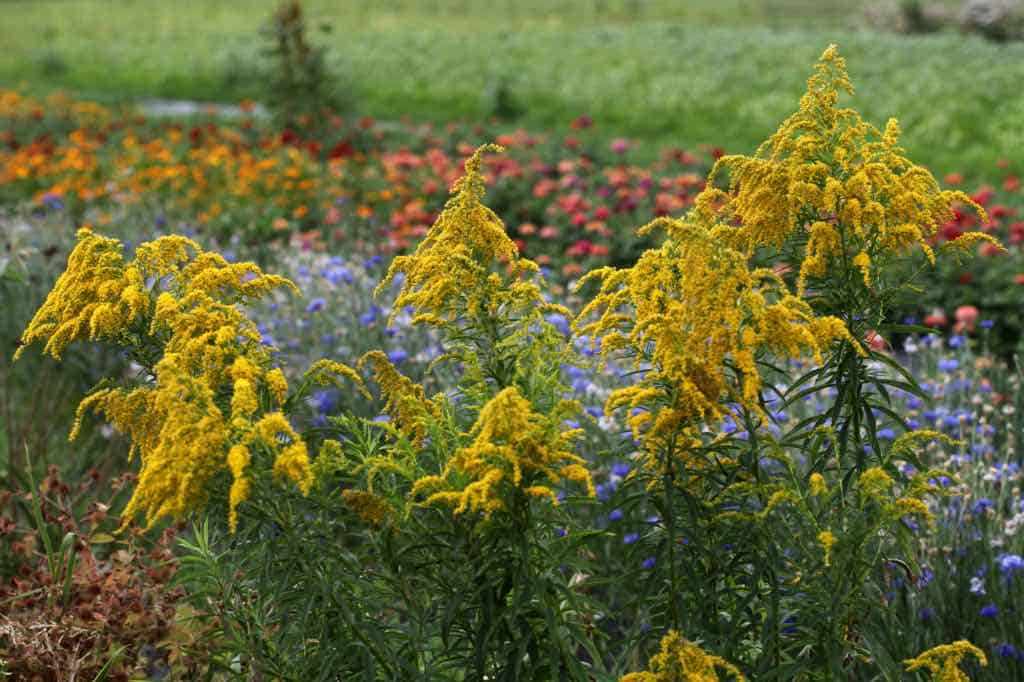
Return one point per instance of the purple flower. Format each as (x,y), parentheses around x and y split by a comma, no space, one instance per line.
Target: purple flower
(561,532)
(649,563)
(989,611)
(397,356)
(987,324)
(630,538)
(615,515)
(316,305)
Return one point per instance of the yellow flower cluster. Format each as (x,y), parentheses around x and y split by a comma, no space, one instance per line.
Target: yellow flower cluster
(513,446)
(180,423)
(405,400)
(839,187)
(692,308)
(828,540)
(943,661)
(682,661)
(451,272)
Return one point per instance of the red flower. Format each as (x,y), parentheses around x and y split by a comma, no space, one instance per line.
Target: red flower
(966,278)
(937,318)
(1011,183)
(581,122)
(954,178)
(341,150)
(983,195)
(1019,279)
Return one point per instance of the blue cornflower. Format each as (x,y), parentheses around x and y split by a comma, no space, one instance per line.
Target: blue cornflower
(886,434)
(949,365)
(561,532)
(981,505)
(957,341)
(615,515)
(594,411)
(559,322)
(620,469)
(649,563)
(397,356)
(1009,563)
(325,401)
(989,611)
(316,305)
(926,614)
(1006,650)
(988,324)
(630,538)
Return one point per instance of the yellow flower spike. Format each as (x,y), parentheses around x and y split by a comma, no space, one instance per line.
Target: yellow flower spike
(833,185)
(450,271)
(680,660)
(875,483)
(405,400)
(203,396)
(696,308)
(512,445)
(943,661)
(86,301)
(827,541)
(817,485)
(277,384)
(323,372)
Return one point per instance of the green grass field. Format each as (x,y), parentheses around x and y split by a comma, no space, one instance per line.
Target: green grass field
(721,73)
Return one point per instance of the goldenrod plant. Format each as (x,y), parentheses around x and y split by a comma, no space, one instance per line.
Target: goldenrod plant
(471,529)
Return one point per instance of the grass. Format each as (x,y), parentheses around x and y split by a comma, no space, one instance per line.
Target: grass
(666,73)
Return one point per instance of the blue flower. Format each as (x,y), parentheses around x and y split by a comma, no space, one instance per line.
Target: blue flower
(325,401)
(316,305)
(561,532)
(989,611)
(1006,650)
(397,356)
(620,469)
(988,324)
(615,515)
(957,341)
(926,614)
(949,365)
(981,505)
(649,563)
(1009,563)
(559,322)
(630,538)
(886,434)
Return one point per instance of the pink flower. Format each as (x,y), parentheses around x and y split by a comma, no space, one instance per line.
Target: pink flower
(876,340)
(619,145)
(966,317)
(548,232)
